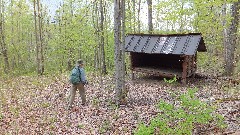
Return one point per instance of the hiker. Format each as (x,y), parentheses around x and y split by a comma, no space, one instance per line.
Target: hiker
(78,80)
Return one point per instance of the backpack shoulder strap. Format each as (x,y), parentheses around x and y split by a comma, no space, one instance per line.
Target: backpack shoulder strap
(79,74)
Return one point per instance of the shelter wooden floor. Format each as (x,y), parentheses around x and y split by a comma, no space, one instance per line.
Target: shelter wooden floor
(167,72)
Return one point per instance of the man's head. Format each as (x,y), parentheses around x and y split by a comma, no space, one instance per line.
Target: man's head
(79,63)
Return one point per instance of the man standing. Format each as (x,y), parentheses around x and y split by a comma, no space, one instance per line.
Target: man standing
(78,80)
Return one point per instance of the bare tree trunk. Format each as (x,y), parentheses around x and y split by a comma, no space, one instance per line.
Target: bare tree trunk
(96,27)
(123,71)
(59,41)
(95,60)
(13,64)
(150,24)
(106,36)
(119,7)
(182,18)
(98,33)
(2,38)
(134,15)
(230,40)
(37,37)
(104,69)
(71,57)
(40,28)
(12,21)
(139,9)
(224,22)
(30,46)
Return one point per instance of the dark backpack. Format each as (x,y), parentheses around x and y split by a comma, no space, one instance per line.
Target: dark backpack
(75,76)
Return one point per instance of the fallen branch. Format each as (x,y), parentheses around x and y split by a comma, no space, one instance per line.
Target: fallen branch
(227,99)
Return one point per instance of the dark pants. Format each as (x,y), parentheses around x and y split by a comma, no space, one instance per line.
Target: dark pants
(74,88)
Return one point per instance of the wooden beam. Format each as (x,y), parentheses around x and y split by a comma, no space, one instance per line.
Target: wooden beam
(184,72)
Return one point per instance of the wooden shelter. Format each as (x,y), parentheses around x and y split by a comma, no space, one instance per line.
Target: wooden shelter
(165,55)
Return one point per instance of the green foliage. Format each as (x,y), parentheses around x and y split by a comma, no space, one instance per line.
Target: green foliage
(45,105)
(52,119)
(171,80)
(73,32)
(179,118)
(14,110)
(96,101)
(80,125)
(1,116)
(105,126)
(214,64)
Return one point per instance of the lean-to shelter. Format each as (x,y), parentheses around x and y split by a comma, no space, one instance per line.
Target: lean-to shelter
(165,55)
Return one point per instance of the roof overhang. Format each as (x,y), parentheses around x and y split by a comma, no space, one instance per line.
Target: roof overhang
(179,44)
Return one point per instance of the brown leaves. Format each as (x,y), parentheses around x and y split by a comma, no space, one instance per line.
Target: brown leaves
(32,105)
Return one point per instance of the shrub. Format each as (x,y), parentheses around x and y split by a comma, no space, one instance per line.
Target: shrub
(179,118)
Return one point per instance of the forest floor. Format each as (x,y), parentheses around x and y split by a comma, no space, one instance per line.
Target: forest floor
(36,105)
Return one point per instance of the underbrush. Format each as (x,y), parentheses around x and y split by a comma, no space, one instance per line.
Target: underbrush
(181,117)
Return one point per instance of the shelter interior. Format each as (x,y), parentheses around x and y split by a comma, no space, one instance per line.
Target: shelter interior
(167,65)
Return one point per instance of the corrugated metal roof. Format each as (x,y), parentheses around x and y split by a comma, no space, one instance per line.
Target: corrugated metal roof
(185,44)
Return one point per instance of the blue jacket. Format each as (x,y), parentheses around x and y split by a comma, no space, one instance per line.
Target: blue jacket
(80,72)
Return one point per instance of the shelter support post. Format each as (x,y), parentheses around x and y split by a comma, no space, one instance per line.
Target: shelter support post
(184,71)
(194,65)
(131,67)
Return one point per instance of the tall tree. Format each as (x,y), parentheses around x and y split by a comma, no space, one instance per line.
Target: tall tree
(2,37)
(70,22)
(119,28)
(134,15)
(104,69)
(38,22)
(95,22)
(231,39)
(12,25)
(36,37)
(138,17)
(150,24)
(40,28)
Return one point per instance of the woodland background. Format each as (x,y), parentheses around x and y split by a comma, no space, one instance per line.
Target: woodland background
(38,49)
(33,42)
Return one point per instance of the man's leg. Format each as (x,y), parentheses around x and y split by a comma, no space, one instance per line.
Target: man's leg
(82,92)
(68,95)
(72,96)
